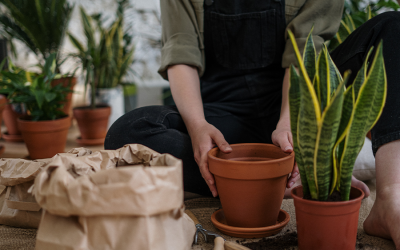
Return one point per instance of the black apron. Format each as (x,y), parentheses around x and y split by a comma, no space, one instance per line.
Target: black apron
(244,43)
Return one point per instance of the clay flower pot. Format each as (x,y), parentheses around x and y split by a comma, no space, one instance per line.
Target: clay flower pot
(66,82)
(327,225)
(92,124)
(3,104)
(251,182)
(10,117)
(44,139)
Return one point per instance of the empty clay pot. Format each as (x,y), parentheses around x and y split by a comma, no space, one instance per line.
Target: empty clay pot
(44,139)
(327,225)
(10,117)
(251,182)
(3,104)
(92,123)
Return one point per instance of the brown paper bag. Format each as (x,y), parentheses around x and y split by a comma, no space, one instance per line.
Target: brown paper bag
(91,204)
(18,207)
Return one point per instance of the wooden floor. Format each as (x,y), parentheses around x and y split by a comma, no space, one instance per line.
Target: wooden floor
(19,150)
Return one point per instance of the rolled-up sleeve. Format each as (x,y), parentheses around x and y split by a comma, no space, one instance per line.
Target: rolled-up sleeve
(324,15)
(180,39)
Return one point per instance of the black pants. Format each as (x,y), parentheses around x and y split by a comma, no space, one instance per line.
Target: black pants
(162,129)
(351,55)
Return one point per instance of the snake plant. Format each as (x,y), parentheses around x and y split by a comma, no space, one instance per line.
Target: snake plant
(329,121)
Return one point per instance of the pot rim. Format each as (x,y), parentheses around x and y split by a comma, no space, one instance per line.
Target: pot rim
(210,156)
(44,121)
(326,203)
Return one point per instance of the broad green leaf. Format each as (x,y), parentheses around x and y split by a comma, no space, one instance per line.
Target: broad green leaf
(40,96)
(294,103)
(50,96)
(326,138)
(368,108)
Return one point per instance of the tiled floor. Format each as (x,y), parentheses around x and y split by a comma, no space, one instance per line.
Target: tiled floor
(19,150)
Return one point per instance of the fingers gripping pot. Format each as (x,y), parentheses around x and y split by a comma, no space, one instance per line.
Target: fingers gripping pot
(130,198)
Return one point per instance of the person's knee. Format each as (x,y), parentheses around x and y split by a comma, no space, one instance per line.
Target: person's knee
(133,127)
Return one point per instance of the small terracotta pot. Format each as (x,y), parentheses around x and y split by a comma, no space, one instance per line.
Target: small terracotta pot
(44,139)
(3,104)
(10,118)
(327,225)
(251,182)
(66,82)
(92,123)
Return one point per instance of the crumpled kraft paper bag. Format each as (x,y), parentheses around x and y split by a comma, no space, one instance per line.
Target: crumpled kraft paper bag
(18,208)
(130,198)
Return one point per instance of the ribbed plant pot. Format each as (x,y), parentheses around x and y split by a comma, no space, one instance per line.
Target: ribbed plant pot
(327,225)
(251,182)
(66,82)
(44,139)
(92,123)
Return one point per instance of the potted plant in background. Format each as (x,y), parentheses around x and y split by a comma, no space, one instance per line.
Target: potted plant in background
(105,60)
(45,127)
(329,124)
(41,26)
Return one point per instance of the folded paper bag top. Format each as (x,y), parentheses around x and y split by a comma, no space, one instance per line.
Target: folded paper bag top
(145,183)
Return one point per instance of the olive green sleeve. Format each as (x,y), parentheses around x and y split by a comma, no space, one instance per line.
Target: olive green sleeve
(324,15)
(180,40)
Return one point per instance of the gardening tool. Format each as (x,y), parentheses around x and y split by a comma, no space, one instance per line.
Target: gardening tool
(219,242)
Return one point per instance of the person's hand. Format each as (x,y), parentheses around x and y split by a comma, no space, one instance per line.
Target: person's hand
(204,137)
(282,137)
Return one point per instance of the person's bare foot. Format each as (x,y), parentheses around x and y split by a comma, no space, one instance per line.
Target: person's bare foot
(361,185)
(354,182)
(384,218)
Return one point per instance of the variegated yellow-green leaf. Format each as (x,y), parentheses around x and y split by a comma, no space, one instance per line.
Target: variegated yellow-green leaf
(294,103)
(309,56)
(367,109)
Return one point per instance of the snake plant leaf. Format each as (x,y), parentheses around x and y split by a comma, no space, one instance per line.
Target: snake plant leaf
(343,32)
(335,76)
(323,77)
(294,103)
(361,76)
(309,56)
(309,117)
(366,112)
(347,109)
(325,142)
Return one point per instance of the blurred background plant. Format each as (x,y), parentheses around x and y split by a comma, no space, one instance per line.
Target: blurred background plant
(108,53)
(39,24)
(42,100)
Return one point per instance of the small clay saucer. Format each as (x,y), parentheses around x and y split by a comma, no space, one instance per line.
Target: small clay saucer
(219,221)
(89,142)
(12,138)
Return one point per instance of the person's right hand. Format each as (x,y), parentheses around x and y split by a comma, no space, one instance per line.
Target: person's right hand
(204,137)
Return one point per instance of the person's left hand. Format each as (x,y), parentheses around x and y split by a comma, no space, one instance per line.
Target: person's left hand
(282,137)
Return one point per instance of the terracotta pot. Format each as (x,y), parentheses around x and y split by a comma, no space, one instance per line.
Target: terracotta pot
(3,104)
(327,225)
(66,82)
(92,123)
(10,120)
(44,139)
(251,182)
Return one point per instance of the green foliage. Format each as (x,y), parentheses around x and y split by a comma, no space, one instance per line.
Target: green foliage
(328,121)
(39,24)
(354,15)
(108,53)
(42,100)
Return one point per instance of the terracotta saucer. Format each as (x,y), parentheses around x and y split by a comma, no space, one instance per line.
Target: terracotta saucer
(12,138)
(90,142)
(219,221)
